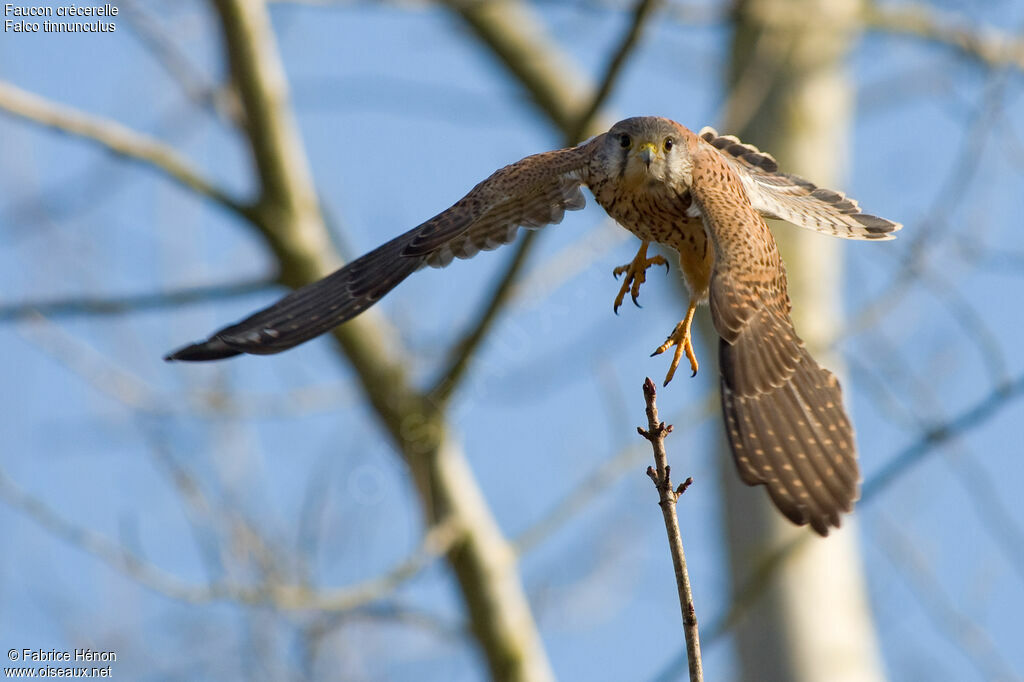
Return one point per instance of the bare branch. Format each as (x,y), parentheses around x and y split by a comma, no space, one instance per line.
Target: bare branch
(111,379)
(655,433)
(116,138)
(641,12)
(989,46)
(747,594)
(542,70)
(932,228)
(96,544)
(95,306)
(589,490)
(283,597)
(289,219)
(1000,397)
(390,611)
(464,349)
(966,635)
(517,37)
(154,35)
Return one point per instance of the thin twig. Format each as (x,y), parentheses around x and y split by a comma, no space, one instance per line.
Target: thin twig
(931,229)
(966,635)
(508,43)
(289,219)
(655,433)
(590,489)
(156,36)
(111,379)
(1002,395)
(979,413)
(515,35)
(643,10)
(93,306)
(284,597)
(992,47)
(466,347)
(116,138)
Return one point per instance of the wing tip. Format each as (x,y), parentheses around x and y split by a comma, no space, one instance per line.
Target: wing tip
(879,229)
(204,351)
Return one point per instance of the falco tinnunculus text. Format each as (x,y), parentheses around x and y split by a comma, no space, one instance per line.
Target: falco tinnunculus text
(702,195)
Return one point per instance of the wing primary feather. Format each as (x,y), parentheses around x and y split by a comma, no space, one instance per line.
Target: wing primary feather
(531,193)
(794,199)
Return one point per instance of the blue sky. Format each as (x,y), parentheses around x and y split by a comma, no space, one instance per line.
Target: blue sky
(371,81)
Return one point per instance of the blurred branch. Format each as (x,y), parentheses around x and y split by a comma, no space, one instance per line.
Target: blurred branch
(966,635)
(992,259)
(996,517)
(655,433)
(392,612)
(463,350)
(989,46)
(81,192)
(155,36)
(284,597)
(438,540)
(755,82)
(115,138)
(92,306)
(112,380)
(236,543)
(969,319)
(999,398)
(931,229)
(98,545)
(999,519)
(641,12)
(587,491)
(289,219)
(516,37)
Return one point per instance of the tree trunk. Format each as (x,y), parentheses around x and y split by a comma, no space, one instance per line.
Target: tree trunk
(288,218)
(791,96)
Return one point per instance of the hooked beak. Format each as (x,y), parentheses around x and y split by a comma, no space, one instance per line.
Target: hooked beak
(647,152)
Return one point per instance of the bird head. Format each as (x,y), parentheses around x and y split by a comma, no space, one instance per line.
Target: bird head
(649,150)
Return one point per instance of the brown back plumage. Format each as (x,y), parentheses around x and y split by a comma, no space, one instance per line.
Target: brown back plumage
(784,414)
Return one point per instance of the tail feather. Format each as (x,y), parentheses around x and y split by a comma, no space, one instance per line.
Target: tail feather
(787,427)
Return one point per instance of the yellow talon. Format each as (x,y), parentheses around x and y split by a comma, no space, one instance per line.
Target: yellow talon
(680,338)
(636,274)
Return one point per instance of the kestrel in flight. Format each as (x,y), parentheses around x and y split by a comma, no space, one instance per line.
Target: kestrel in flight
(703,196)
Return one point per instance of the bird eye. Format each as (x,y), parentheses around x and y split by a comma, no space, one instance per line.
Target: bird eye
(668,143)
(625,141)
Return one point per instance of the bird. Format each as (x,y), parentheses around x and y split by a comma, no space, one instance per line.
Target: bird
(706,197)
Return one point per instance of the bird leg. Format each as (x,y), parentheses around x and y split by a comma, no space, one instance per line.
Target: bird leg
(636,274)
(680,338)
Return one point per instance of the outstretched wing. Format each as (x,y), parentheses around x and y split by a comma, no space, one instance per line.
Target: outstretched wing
(784,414)
(793,199)
(530,193)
